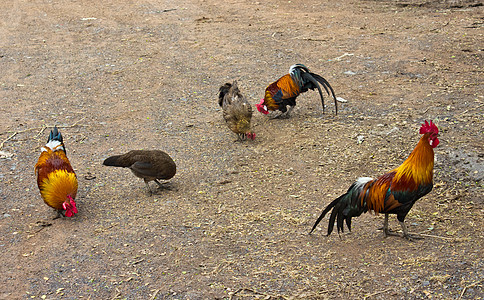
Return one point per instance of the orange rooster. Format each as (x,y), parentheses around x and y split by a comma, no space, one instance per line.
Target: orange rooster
(393,193)
(55,177)
(285,90)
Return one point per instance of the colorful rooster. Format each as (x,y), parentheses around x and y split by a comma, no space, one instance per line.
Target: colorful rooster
(55,176)
(392,193)
(285,90)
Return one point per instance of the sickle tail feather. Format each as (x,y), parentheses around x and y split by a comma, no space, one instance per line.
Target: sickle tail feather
(328,88)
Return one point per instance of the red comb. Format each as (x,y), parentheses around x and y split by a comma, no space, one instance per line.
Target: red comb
(261,107)
(428,127)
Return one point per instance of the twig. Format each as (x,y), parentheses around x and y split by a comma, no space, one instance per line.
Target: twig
(435,236)
(311,39)
(467,110)
(267,296)
(426,110)
(42,225)
(75,124)
(154,295)
(41,129)
(341,56)
(66,126)
(219,265)
(376,293)
(234,293)
(438,28)
(3,142)
(115,297)
(138,261)
(469,286)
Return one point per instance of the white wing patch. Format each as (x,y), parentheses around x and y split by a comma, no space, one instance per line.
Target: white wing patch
(363,180)
(53,145)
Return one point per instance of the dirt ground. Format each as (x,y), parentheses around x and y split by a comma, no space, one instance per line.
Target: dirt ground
(122,75)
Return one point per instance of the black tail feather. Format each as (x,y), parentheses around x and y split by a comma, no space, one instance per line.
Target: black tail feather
(343,209)
(55,135)
(347,206)
(326,86)
(308,78)
(332,217)
(224,89)
(348,223)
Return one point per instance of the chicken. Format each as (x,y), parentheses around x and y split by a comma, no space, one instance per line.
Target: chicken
(150,165)
(284,91)
(56,178)
(236,110)
(392,193)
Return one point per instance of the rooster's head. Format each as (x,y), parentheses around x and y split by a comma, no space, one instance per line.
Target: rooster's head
(69,206)
(261,107)
(433,130)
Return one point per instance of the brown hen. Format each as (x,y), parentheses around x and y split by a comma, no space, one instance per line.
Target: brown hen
(237,111)
(150,165)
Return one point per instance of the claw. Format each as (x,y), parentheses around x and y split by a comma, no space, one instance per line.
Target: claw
(275,115)
(408,236)
(412,237)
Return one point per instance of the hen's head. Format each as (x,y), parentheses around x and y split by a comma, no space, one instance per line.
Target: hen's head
(250,135)
(261,107)
(433,130)
(69,206)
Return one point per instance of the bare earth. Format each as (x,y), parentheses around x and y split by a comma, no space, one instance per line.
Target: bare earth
(234,222)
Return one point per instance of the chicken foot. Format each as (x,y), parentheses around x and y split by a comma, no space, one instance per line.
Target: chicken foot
(387,231)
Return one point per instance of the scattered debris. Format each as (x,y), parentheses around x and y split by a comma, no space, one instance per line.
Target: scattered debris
(4,154)
(341,56)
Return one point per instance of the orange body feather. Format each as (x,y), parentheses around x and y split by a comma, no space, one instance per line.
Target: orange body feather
(56,178)
(283,92)
(288,88)
(392,193)
(416,171)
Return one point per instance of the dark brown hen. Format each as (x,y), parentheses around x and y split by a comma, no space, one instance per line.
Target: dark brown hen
(150,165)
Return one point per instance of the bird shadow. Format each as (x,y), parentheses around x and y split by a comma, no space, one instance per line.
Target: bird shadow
(164,186)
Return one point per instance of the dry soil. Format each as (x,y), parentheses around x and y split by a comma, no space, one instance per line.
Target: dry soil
(234,222)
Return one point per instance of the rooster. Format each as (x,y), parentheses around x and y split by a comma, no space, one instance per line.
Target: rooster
(150,165)
(236,110)
(392,193)
(55,176)
(284,91)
